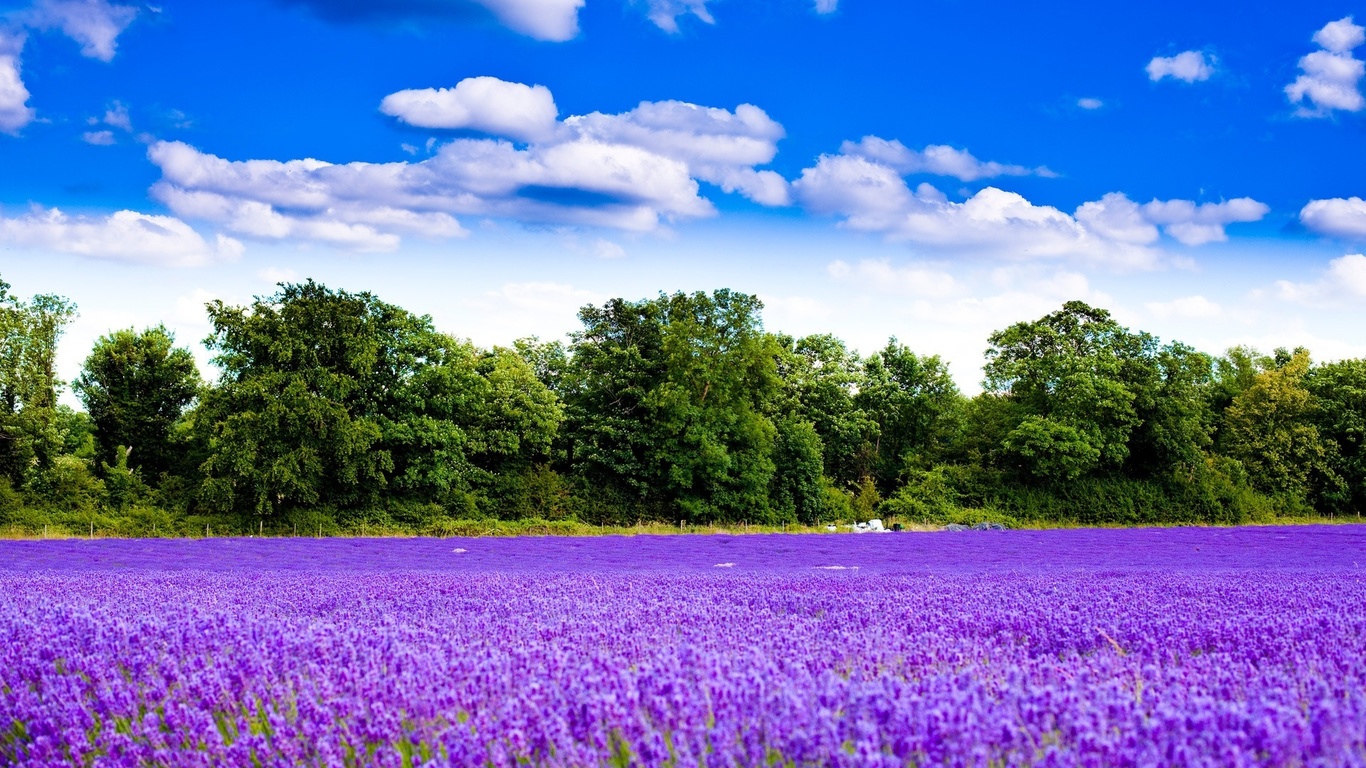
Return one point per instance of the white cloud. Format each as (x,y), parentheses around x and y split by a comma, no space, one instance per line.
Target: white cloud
(1345,278)
(95,24)
(552,20)
(1193,224)
(14,110)
(1189,307)
(1332,73)
(1340,36)
(486,104)
(791,312)
(1090,103)
(628,171)
(606,249)
(189,308)
(1190,66)
(117,117)
(718,146)
(123,236)
(1336,217)
(543,297)
(871,195)
(937,159)
(1115,217)
(275,275)
(665,13)
(879,274)
(98,138)
(536,308)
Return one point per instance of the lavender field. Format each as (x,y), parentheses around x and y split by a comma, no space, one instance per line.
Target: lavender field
(1220,647)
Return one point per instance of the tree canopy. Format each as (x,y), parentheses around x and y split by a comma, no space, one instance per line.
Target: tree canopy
(340,409)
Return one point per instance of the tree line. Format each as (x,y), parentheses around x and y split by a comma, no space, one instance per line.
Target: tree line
(338,409)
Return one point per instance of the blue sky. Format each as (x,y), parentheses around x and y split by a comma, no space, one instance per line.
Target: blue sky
(929,169)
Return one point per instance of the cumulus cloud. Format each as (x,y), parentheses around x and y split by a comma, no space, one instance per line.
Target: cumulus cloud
(1189,66)
(550,20)
(606,249)
(515,310)
(486,104)
(912,280)
(98,138)
(1192,224)
(937,159)
(665,13)
(1117,218)
(117,116)
(95,24)
(871,195)
(124,236)
(628,171)
(1330,74)
(718,146)
(1336,217)
(1186,307)
(1345,278)
(547,297)
(275,275)
(1090,103)
(15,112)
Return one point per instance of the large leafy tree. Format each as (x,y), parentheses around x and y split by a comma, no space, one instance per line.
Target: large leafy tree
(666,400)
(30,433)
(1339,390)
(797,491)
(1174,434)
(135,386)
(820,379)
(1271,428)
(339,399)
(1079,380)
(917,409)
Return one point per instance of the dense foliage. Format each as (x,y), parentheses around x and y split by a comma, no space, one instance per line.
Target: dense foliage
(337,410)
(1150,647)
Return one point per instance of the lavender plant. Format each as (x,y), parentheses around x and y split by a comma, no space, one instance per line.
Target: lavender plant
(1086,648)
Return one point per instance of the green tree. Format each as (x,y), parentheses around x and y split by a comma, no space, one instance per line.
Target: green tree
(1077,377)
(135,387)
(472,420)
(820,378)
(1176,422)
(666,400)
(797,492)
(339,400)
(917,409)
(1270,428)
(1339,391)
(30,437)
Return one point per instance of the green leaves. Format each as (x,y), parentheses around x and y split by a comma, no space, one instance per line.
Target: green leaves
(1270,428)
(1081,380)
(666,398)
(135,386)
(339,400)
(30,439)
